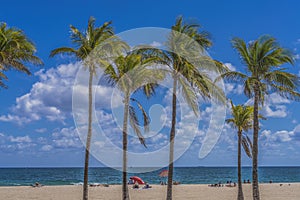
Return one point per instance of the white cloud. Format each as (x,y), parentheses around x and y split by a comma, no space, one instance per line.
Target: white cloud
(230,66)
(278,111)
(51,97)
(41,130)
(47,148)
(274,106)
(25,139)
(66,138)
(277,99)
(17,147)
(282,136)
(156,44)
(234,88)
(15,144)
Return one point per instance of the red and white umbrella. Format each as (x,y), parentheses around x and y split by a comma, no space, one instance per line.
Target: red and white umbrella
(137,179)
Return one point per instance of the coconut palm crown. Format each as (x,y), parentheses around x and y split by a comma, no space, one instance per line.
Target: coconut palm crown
(16,52)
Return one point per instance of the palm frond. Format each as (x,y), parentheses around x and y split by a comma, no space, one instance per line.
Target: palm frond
(2,76)
(144,114)
(232,76)
(247,145)
(134,122)
(189,95)
(63,50)
(16,50)
(241,47)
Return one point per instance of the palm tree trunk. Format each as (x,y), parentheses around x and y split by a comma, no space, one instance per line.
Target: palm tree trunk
(240,189)
(255,187)
(125,194)
(172,137)
(88,141)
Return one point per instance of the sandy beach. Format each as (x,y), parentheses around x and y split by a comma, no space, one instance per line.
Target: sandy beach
(268,191)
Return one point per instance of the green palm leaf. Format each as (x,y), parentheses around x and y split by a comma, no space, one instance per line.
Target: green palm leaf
(16,51)
(133,119)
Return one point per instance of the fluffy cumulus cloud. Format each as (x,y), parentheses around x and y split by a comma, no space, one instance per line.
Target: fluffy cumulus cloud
(274,106)
(234,88)
(51,97)
(9,143)
(66,138)
(47,147)
(55,140)
(24,139)
(156,44)
(274,139)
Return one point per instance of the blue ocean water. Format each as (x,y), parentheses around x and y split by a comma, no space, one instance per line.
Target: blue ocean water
(186,175)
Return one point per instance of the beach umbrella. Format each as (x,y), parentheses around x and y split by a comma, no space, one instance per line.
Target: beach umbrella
(137,179)
(163,173)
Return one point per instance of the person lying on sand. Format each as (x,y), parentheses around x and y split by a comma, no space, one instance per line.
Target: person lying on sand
(136,186)
(176,182)
(231,185)
(147,186)
(37,184)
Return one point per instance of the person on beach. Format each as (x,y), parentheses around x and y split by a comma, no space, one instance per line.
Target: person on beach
(130,182)
(163,183)
(37,184)
(136,186)
(147,186)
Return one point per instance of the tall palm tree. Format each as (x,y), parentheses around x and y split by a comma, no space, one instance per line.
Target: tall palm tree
(263,59)
(184,59)
(242,120)
(86,43)
(129,74)
(16,50)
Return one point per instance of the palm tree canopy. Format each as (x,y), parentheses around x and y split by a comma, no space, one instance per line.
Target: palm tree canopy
(242,117)
(263,59)
(242,120)
(186,61)
(129,74)
(99,40)
(16,50)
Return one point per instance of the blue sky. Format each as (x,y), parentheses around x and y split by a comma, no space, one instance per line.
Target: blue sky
(36,124)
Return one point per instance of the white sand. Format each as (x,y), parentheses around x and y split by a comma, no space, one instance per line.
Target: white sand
(180,192)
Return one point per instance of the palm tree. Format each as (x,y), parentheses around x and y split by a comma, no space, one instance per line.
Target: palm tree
(87,42)
(184,59)
(16,50)
(242,120)
(129,74)
(263,59)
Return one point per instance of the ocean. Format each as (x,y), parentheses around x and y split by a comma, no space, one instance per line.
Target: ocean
(185,175)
